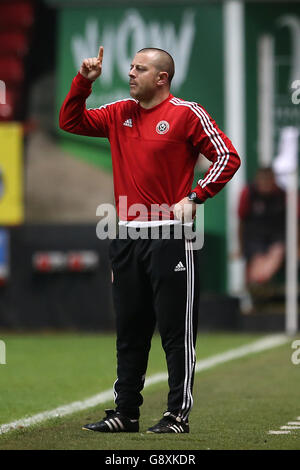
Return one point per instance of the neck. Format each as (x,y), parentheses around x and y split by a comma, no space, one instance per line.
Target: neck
(155,100)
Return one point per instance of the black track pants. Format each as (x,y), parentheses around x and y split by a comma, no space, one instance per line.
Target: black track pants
(155,281)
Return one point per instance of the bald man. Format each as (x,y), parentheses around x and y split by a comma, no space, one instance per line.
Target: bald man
(155,141)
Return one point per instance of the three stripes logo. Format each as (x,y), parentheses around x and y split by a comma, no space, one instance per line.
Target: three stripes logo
(177,428)
(115,424)
(128,123)
(179,267)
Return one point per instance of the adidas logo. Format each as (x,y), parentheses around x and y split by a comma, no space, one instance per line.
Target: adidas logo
(179,267)
(128,123)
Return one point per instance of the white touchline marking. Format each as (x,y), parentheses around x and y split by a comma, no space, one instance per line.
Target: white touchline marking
(279,432)
(289,427)
(267,342)
(262,344)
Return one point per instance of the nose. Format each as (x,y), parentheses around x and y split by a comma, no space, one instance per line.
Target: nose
(131,73)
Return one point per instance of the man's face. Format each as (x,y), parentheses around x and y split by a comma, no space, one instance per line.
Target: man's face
(143,76)
(265,183)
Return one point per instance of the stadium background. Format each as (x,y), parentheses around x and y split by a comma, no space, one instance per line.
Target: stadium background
(56,316)
(54,272)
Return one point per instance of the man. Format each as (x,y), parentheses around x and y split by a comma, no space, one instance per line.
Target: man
(155,141)
(262,212)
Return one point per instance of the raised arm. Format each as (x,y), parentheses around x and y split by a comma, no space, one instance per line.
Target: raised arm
(73,116)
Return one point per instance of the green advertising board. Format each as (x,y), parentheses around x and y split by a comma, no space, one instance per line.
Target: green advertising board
(192,34)
(184,31)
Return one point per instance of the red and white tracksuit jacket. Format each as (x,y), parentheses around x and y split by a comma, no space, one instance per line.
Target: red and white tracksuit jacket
(154,151)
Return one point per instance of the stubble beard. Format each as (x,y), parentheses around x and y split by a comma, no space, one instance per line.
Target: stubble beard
(134,93)
(141,95)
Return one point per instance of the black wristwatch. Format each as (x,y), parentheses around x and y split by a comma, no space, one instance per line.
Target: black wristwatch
(193,197)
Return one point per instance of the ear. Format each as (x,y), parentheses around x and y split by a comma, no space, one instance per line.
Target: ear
(163,78)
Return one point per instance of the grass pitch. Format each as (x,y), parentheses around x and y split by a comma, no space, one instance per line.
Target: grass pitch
(236,404)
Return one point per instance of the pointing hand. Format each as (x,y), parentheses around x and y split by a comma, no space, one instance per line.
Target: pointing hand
(91,68)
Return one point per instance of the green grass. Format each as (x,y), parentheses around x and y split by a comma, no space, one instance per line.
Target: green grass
(235,404)
(47,370)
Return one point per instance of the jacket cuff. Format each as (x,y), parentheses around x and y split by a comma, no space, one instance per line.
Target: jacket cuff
(201,194)
(81,82)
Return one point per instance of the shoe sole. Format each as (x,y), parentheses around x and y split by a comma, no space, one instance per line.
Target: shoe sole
(108,432)
(155,432)
(147,432)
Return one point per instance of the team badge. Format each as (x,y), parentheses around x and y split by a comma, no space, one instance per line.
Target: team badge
(162,127)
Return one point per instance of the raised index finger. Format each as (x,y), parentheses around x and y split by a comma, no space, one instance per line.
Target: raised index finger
(100,53)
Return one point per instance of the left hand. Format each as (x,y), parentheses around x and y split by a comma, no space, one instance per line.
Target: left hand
(185,210)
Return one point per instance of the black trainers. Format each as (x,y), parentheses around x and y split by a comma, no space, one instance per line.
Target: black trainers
(114,422)
(170,423)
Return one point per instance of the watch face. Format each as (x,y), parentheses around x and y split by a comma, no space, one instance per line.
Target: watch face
(192,196)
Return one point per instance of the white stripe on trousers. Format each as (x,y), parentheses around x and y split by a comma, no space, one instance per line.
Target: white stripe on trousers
(190,356)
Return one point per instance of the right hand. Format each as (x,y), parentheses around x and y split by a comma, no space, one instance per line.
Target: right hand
(91,68)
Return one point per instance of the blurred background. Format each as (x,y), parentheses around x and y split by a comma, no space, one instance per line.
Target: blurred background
(241,61)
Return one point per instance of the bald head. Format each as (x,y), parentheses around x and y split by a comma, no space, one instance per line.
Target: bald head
(162,61)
